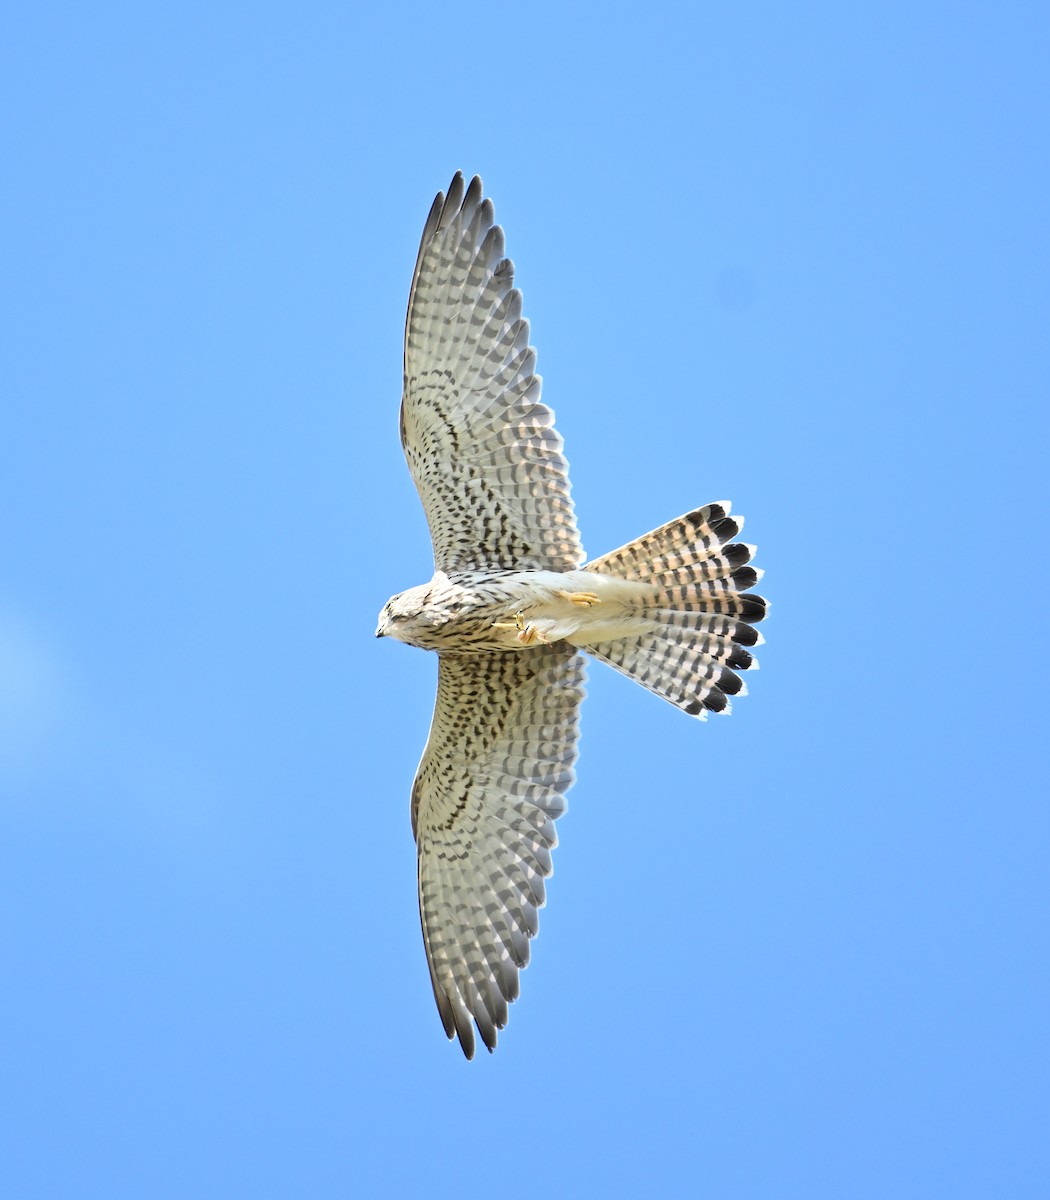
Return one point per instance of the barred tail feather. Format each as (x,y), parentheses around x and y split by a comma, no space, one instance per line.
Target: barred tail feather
(701,611)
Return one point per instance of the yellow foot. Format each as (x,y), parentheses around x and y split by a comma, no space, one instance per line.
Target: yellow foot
(531,634)
(585,599)
(518,623)
(527,634)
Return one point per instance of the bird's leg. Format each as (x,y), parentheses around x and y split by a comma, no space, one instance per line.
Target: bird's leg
(526,634)
(584,599)
(518,623)
(531,633)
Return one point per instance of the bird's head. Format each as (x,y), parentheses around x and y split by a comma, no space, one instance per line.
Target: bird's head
(403,614)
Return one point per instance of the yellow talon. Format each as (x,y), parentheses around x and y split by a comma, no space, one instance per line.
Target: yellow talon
(527,634)
(530,634)
(584,599)
(518,623)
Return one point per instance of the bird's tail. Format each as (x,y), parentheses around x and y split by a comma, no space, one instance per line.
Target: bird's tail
(700,610)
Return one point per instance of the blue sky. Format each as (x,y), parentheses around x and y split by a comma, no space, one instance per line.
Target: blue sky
(795,256)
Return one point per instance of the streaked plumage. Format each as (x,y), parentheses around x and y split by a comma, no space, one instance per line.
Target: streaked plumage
(511,605)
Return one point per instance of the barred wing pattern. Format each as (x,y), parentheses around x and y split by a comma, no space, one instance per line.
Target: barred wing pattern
(490,786)
(481,447)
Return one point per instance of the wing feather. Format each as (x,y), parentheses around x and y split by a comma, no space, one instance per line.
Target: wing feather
(489,788)
(480,445)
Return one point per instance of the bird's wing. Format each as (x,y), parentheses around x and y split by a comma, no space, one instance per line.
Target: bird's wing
(491,783)
(481,447)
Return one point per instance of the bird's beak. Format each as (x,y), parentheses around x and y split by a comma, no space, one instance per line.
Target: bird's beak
(379,631)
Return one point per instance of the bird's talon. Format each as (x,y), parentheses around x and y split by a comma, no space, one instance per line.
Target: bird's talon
(584,599)
(518,623)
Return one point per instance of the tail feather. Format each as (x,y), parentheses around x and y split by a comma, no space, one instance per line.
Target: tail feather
(689,539)
(701,613)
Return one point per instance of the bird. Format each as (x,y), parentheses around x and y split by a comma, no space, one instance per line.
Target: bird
(514,606)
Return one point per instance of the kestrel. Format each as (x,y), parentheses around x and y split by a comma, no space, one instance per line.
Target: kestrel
(511,605)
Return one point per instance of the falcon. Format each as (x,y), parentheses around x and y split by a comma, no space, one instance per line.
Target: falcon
(510,608)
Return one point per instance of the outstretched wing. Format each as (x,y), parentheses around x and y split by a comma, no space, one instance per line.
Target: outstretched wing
(481,447)
(490,786)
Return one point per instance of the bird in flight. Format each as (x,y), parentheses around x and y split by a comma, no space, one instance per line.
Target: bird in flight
(510,608)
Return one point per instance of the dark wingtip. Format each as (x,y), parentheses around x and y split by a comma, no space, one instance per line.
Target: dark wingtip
(725,528)
(739,659)
(737,554)
(744,635)
(752,607)
(730,682)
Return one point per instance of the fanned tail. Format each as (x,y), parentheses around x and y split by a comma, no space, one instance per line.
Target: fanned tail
(702,612)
